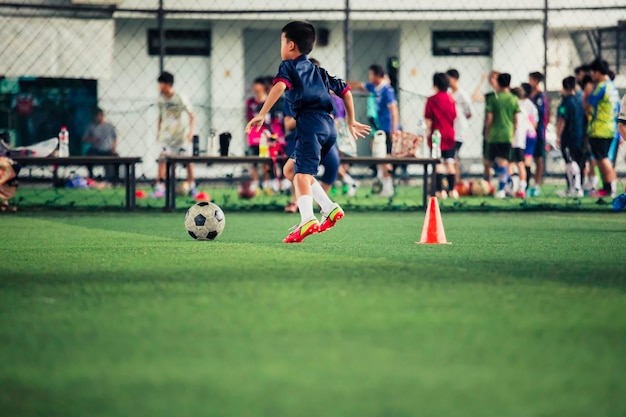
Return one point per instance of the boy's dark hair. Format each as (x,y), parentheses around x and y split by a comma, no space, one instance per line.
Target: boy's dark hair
(599,65)
(586,80)
(537,76)
(269,80)
(315,62)
(518,92)
(98,111)
(377,70)
(166,77)
(441,81)
(527,89)
(581,68)
(569,83)
(452,73)
(260,80)
(611,75)
(504,80)
(302,34)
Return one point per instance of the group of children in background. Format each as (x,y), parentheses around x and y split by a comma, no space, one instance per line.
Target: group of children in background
(515,125)
(514,135)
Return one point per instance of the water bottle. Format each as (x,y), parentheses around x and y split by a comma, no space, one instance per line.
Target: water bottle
(196,145)
(421,133)
(436,150)
(264,149)
(64,142)
(379,145)
(211,144)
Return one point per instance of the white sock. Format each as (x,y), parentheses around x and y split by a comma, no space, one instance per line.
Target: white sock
(594,182)
(387,184)
(348,180)
(192,184)
(254,185)
(613,187)
(576,184)
(267,184)
(321,198)
(523,185)
(305,205)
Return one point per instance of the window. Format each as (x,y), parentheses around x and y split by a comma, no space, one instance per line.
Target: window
(181,42)
(461,42)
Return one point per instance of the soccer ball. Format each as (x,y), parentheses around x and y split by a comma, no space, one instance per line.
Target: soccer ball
(205,221)
(182,189)
(463,188)
(481,188)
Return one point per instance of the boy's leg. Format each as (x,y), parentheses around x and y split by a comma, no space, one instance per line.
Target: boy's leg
(161,172)
(331,163)
(523,183)
(254,177)
(501,152)
(191,179)
(288,172)
(450,170)
(308,222)
(159,187)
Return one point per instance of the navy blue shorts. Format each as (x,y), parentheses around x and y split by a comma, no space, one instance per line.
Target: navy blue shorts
(315,137)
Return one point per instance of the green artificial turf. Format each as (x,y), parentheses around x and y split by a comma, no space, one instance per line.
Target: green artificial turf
(406,199)
(106,315)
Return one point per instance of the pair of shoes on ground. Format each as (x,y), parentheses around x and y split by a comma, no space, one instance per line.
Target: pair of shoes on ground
(312,226)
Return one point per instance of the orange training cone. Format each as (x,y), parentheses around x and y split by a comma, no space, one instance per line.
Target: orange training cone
(433,232)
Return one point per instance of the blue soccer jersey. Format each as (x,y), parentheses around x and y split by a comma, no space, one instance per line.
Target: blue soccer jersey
(308,86)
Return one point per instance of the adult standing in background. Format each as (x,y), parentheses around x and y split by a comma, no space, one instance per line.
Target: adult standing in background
(463,114)
(387,117)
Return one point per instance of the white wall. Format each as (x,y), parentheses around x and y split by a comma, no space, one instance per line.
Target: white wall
(56,47)
(130,95)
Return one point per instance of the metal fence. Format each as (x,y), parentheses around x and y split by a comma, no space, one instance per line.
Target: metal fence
(62,58)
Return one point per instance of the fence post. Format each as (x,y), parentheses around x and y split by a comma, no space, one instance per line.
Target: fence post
(161,21)
(347,39)
(545,44)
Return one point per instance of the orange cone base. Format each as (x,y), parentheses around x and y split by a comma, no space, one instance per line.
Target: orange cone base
(432,232)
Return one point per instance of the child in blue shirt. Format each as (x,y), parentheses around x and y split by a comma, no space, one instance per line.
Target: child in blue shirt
(307,90)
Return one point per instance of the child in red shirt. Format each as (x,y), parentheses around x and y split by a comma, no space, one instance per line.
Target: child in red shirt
(439,114)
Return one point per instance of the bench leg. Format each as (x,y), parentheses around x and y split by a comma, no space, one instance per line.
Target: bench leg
(127,185)
(131,187)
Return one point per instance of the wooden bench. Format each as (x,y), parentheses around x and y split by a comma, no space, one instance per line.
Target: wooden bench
(127,162)
(172,161)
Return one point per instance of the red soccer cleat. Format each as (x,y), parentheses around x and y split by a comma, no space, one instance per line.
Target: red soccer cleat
(301,231)
(331,219)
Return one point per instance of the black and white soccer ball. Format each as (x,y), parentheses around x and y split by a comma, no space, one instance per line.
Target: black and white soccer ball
(205,221)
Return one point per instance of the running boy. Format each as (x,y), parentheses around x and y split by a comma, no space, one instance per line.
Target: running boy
(307,91)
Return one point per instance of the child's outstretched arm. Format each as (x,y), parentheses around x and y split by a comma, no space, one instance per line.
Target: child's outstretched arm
(357,129)
(275,93)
